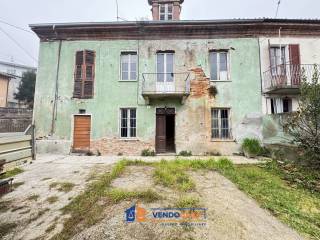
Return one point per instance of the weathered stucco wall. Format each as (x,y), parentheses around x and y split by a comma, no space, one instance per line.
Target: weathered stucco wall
(193,122)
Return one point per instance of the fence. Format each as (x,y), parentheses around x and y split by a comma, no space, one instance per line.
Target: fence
(14,119)
(18,148)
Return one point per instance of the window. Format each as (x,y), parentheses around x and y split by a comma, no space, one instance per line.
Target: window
(84,74)
(219,66)
(129,66)
(165,67)
(220,123)
(166,11)
(128,125)
(281,105)
(277,59)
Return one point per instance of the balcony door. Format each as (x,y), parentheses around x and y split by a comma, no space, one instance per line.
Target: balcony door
(165,75)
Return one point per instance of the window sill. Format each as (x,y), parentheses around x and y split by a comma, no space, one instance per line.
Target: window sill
(129,139)
(220,80)
(80,99)
(223,140)
(127,80)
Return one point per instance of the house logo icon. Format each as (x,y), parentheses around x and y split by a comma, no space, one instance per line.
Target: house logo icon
(130,214)
(136,213)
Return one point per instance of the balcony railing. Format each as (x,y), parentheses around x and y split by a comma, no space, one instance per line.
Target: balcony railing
(165,85)
(286,78)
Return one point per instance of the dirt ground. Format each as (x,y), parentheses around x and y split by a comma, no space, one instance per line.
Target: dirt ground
(230,213)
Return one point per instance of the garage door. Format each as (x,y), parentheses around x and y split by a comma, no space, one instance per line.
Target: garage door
(81,134)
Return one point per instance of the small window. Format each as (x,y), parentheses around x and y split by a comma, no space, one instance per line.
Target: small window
(128,123)
(166,12)
(84,74)
(281,105)
(129,66)
(219,65)
(220,123)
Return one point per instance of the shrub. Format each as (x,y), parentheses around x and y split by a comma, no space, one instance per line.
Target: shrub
(251,147)
(213,153)
(148,153)
(185,153)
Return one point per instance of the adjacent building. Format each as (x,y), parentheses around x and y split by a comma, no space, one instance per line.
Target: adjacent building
(16,70)
(4,85)
(167,84)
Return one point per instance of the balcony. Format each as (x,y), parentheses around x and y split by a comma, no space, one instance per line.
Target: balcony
(286,78)
(166,85)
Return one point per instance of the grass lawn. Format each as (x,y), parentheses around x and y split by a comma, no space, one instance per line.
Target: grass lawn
(296,206)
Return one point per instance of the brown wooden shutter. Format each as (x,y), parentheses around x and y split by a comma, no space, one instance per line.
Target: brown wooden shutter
(295,68)
(89,74)
(78,75)
(84,74)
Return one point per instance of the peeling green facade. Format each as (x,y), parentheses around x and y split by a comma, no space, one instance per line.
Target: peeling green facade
(242,94)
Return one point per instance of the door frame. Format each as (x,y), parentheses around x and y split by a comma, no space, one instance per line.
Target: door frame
(72,128)
(175,113)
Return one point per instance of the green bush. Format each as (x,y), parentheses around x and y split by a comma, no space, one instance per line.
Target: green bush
(251,146)
(185,153)
(148,153)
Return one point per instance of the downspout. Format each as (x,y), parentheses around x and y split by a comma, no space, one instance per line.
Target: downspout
(56,94)
(260,63)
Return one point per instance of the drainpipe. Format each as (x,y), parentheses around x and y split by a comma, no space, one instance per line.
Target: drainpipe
(280,44)
(56,93)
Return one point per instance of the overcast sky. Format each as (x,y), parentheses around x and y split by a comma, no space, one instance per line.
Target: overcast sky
(24,12)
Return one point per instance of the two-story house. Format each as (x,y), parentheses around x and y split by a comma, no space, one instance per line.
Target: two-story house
(166,84)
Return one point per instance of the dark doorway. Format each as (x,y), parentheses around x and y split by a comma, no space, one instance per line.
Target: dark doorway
(165,130)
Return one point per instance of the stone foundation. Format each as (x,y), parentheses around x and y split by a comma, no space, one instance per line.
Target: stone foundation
(116,146)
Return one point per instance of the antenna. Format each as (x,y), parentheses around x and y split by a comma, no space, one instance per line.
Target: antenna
(117,10)
(279,2)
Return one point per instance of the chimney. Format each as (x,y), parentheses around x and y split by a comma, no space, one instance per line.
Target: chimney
(166,10)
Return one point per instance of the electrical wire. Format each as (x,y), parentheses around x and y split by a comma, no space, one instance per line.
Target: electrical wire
(16,27)
(18,44)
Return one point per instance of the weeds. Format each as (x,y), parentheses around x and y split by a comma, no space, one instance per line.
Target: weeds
(188,202)
(117,195)
(11,173)
(33,197)
(52,199)
(6,228)
(62,186)
(17,184)
(148,153)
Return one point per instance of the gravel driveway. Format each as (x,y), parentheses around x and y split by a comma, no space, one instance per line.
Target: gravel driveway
(232,215)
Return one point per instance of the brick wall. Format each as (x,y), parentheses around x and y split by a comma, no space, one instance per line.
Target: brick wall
(116,146)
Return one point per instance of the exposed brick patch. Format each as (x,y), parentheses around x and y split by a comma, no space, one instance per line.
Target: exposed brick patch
(115,146)
(200,84)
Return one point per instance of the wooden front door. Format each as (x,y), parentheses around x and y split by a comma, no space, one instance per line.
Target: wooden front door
(81,133)
(165,130)
(161,134)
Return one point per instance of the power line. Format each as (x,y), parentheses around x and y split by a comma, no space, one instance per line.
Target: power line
(16,27)
(279,2)
(18,44)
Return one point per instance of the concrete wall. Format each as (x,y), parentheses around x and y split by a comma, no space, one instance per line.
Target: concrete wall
(309,54)
(241,94)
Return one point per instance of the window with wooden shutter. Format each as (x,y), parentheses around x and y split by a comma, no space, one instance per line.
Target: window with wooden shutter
(84,74)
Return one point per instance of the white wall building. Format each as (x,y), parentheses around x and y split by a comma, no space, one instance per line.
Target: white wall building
(16,70)
(282,71)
